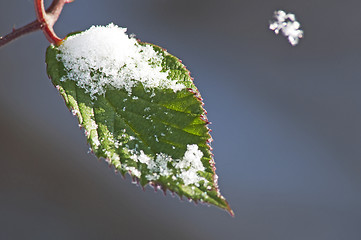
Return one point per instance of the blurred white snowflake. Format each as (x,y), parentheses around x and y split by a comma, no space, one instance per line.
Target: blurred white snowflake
(287,24)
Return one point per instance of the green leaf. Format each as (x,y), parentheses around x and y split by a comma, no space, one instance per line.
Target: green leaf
(152,134)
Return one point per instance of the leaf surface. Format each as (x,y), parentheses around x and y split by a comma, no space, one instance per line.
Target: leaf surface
(152,134)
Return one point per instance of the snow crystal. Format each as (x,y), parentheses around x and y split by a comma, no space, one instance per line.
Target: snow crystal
(134,171)
(163,165)
(143,158)
(190,165)
(106,56)
(288,25)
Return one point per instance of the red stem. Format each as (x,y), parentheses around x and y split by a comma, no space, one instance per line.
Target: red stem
(49,17)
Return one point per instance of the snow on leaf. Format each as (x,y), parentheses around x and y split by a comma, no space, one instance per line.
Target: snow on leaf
(140,110)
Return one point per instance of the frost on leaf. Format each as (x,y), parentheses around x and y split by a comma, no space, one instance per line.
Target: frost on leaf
(140,110)
(287,24)
(107,56)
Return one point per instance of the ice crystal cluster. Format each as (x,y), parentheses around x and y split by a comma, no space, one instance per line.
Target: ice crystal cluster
(106,56)
(287,24)
(163,165)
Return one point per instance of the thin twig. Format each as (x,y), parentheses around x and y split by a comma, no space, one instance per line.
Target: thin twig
(31,27)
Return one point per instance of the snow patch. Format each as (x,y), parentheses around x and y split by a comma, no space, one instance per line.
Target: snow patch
(106,56)
(185,169)
(190,165)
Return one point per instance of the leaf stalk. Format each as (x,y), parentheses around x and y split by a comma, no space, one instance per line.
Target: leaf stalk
(45,20)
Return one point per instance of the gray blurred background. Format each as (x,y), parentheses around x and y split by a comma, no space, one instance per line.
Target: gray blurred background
(286,125)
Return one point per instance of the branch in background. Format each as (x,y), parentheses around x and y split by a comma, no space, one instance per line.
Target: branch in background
(45,21)
(31,27)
